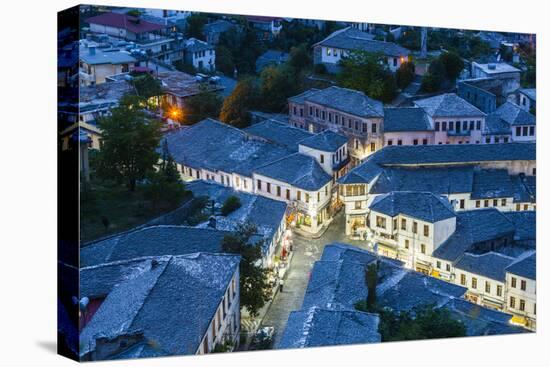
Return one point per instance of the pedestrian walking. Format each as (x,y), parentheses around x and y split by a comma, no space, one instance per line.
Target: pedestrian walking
(281,284)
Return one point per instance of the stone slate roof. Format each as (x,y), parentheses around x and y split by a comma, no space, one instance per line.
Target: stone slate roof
(157,296)
(474,226)
(438,180)
(218,26)
(271,57)
(326,141)
(513,114)
(196,45)
(492,183)
(494,125)
(407,155)
(405,119)
(525,266)
(525,223)
(531,93)
(317,327)
(267,214)
(448,105)
(300,98)
(152,241)
(356,40)
(279,133)
(480,320)
(337,283)
(346,100)
(525,190)
(216,146)
(424,206)
(298,170)
(490,265)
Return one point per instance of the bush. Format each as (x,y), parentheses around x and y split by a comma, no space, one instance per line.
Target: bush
(405,74)
(231,204)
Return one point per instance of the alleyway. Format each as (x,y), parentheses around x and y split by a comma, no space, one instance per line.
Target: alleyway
(306,252)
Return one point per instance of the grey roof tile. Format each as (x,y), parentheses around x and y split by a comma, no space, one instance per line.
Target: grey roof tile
(515,115)
(525,266)
(448,105)
(346,100)
(490,264)
(405,119)
(424,206)
(326,141)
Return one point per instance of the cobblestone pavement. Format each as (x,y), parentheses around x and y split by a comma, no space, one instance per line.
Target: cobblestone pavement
(306,252)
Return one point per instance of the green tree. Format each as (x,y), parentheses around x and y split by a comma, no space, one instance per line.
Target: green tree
(255,289)
(129,142)
(405,74)
(195,25)
(277,83)
(425,322)
(164,186)
(206,104)
(367,72)
(236,107)
(432,80)
(146,86)
(224,60)
(453,64)
(231,204)
(299,57)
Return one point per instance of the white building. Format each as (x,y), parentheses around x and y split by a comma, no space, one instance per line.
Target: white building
(96,64)
(521,291)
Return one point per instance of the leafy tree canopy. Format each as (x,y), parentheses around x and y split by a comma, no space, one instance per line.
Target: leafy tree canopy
(236,107)
(231,204)
(255,288)
(206,104)
(129,141)
(146,85)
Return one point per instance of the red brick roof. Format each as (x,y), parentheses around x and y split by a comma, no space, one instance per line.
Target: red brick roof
(130,23)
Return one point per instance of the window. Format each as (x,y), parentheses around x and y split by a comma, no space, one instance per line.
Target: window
(522,305)
(426,230)
(299,195)
(259,184)
(294,110)
(394,227)
(311,111)
(503,202)
(424,141)
(287,194)
(356,125)
(512,302)
(478,204)
(269,187)
(474,283)
(438,264)
(356,143)
(373,128)
(407,244)
(472,125)
(464,125)
(462,202)
(462,279)
(444,126)
(365,127)
(316,112)
(448,267)
(415,227)
(301,112)
(523,285)
(323,115)
(403,224)
(514,280)
(415,142)
(531,131)
(525,130)
(372,147)
(495,202)
(486,203)
(390,142)
(423,248)
(487,287)
(322,158)
(487,140)
(307,197)
(330,117)
(357,205)
(499,290)
(518,131)
(278,190)
(497,139)
(518,207)
(451,125)
(478,125)
(380,222)
(399,142)
(437,126)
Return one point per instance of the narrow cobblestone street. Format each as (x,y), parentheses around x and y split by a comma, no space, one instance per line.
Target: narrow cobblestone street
(306,252)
